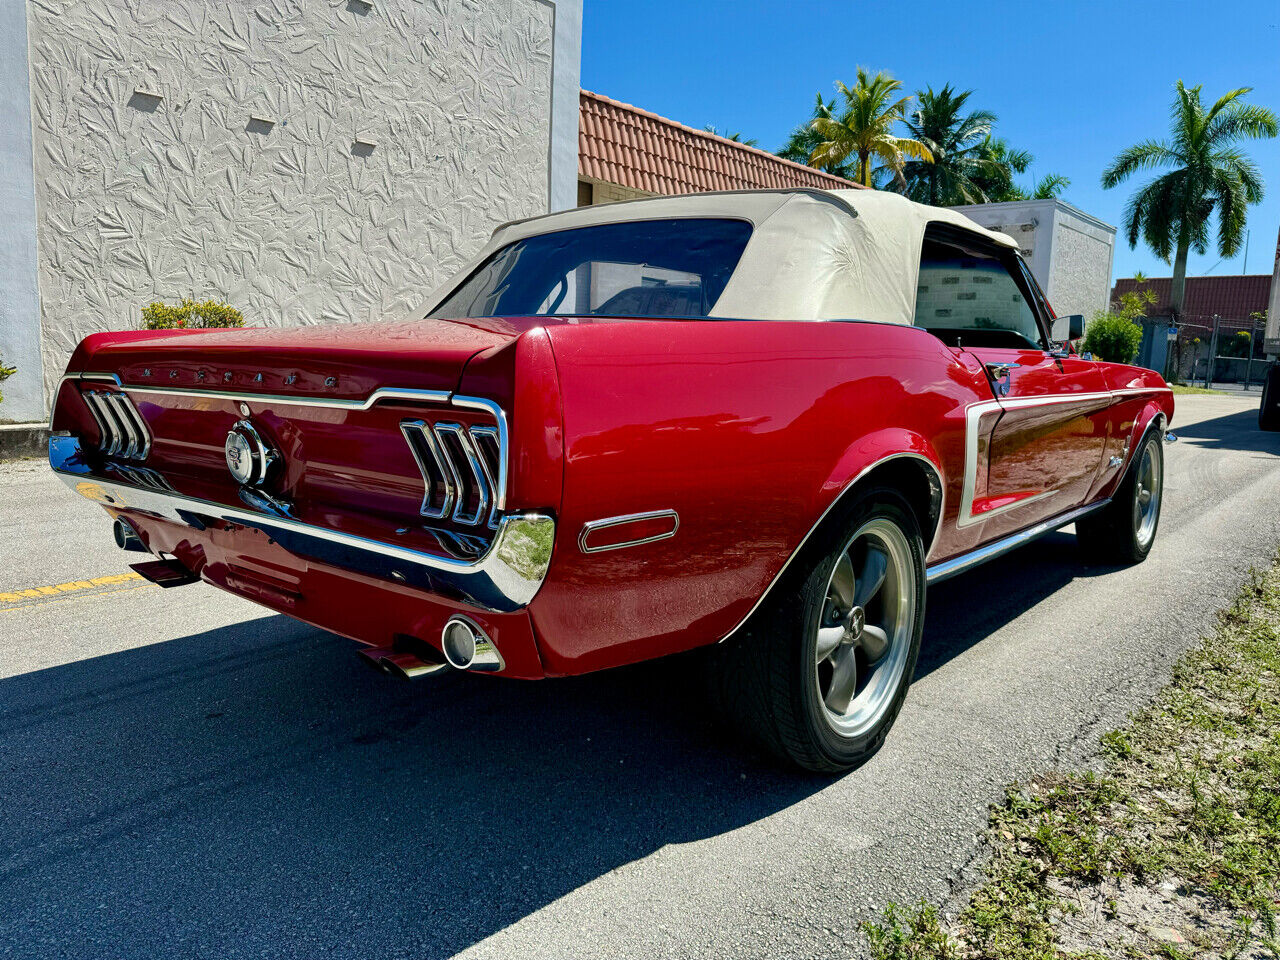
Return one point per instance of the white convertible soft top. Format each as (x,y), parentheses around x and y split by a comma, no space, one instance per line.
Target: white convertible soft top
(813,254)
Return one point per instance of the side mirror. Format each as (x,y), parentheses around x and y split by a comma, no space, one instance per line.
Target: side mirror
(1070,327)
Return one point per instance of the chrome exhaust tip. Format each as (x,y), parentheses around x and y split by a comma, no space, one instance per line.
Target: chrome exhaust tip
(126,537)
(467,647)
(408,667)
(404,664)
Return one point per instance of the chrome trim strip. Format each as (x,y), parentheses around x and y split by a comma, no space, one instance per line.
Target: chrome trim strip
(123,410)
(973,415)
(500,419)
(419,432)
(949,568)
(104,432)
(506,577)
(382,393)
(114,437)
(477,472)
(144,431)
(840,496)
(1132,391)
(594,525)
(492,434)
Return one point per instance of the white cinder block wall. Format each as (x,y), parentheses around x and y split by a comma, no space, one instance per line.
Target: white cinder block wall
(306,160)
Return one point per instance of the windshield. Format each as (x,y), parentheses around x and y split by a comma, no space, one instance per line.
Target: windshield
(644,268)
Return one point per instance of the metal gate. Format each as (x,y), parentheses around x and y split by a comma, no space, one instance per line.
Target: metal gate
(1215,351)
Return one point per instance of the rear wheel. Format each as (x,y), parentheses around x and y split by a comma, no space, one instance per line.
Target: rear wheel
(1124,530)
(823,668)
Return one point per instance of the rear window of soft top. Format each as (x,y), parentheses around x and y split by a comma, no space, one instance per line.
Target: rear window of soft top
(643,268)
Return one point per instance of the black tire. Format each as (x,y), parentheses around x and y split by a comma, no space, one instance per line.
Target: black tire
(768,680)
(1269,409)
(1118,533)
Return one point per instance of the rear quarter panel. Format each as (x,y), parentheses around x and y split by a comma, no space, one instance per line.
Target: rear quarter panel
(749,430)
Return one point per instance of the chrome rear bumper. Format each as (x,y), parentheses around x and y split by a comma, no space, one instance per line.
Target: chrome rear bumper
(503,579)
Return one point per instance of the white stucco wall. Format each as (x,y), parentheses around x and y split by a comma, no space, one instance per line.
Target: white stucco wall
(1080,269)
(306,160)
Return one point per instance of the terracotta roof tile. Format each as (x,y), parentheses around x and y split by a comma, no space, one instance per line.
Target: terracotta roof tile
(622,144)
(1230,297)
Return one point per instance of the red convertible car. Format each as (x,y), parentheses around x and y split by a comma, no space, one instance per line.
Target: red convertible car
(758,422)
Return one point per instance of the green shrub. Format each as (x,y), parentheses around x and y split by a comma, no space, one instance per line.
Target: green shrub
(190,315)
(1112,338)
(1237,346)
(5,374)
(1114,335)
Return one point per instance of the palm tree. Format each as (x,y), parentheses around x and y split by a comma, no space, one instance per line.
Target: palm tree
(736,137)
(865,129)
(995,179)
(1211,175)
(1049,187)
(804,140)
(955,142)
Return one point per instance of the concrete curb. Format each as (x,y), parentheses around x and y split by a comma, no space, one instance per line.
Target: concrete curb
(23,440)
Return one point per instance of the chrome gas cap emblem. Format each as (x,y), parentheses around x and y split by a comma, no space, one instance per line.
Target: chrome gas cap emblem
(249,458)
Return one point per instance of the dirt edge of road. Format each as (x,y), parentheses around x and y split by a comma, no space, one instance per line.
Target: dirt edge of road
(1170,849)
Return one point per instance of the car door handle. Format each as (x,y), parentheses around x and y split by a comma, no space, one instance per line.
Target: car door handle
(999,374)
(999,371)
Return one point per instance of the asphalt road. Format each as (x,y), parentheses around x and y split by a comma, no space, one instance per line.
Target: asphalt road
(183,775)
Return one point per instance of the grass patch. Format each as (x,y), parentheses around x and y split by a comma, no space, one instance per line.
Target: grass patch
(1184,390)
(1171,851)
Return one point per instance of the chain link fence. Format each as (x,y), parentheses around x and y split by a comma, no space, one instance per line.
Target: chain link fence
(1213,351)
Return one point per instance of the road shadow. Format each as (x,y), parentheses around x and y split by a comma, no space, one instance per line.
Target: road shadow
(1234,431)
(255,791)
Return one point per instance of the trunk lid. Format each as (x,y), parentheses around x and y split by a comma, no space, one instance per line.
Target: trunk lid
(340,362)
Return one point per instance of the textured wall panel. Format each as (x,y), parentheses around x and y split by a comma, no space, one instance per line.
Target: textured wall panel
(292,221)
(1081,280)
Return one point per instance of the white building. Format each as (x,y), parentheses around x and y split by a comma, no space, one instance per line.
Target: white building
(1069,252)
(305,160)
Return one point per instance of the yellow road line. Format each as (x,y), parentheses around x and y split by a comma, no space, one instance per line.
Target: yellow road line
(77,596)
(71,586)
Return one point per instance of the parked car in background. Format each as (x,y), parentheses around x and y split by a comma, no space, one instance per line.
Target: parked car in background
(1269,407)
(761,423)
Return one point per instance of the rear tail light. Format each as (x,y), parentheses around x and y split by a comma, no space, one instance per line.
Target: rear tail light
(461,469)
(121,430)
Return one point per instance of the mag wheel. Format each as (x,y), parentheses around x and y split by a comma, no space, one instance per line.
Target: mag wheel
(823,668)
(1124,531)
(864,635)
(1147,492)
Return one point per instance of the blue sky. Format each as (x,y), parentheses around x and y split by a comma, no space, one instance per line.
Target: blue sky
(1073,82)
